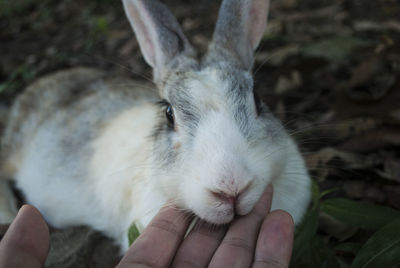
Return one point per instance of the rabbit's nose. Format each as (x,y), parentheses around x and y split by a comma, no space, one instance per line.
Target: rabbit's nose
(225,197)
(230,197)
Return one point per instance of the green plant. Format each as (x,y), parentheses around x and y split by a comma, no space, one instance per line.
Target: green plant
(376,242)
(133,233)
(23,74)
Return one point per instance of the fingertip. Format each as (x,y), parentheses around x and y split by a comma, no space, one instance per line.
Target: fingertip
(26,242)
(282,216)
(275,241)
(281,223)
(270,188)
(32,212)
(263,205)
(30,232)
(32,216)
(268,192)
(160,238)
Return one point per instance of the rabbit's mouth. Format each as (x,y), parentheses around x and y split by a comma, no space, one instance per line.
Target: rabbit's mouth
(223,209)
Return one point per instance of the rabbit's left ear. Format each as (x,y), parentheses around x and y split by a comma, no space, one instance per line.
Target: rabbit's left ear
(239,29)
(160,37)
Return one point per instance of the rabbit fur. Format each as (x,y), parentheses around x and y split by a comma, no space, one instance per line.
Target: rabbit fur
(86,148)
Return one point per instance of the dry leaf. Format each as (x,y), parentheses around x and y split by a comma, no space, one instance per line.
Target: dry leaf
(373,140)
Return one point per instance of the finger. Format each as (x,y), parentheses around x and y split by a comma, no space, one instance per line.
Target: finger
(157,245)
(199,246)
(237,247)
(26,243)
(275,242)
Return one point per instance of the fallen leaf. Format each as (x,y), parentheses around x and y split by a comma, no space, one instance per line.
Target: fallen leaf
(340,130)
(286,84)
(395,114)
(349,247)
(393,195)
(277,56)
(373,140)
(327,156)
(374,193)
(128,47)
(337,49)
(354,189)
(392,168)
(367,25)
(326,11)
(335,228)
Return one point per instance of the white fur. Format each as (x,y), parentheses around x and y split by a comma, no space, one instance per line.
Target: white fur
(122,162)
(123,185)
(113,196)
(221,159)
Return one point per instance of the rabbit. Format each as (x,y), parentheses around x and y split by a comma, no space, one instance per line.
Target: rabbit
(89,149)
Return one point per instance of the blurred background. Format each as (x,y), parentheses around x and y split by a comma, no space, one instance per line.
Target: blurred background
(329,69)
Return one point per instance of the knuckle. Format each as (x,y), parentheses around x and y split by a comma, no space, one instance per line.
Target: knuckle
(136,264)
(207,233)
(187,264)
(165,226)
(238,242)
(269,262)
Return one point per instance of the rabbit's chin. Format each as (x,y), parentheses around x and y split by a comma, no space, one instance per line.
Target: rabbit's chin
(218,219)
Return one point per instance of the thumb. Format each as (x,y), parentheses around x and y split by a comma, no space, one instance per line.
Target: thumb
(26,243)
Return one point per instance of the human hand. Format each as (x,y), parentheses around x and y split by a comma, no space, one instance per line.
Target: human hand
(259,239)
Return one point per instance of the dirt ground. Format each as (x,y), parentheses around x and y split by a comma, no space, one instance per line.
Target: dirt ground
(329,69)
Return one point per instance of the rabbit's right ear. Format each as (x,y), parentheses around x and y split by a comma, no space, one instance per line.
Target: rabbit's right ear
(160,37)
(240,28)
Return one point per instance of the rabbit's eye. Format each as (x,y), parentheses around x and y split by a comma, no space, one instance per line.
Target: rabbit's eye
(169,113)
(257,103)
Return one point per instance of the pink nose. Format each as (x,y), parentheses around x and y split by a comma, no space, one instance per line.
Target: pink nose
(230,199)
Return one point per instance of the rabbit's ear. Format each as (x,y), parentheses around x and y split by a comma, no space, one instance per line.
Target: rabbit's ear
(239,29)
(159,35)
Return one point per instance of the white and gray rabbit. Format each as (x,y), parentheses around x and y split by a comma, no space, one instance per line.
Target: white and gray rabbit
(106,152)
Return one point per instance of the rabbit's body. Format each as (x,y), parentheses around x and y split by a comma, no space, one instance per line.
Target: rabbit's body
(51,148)
(87,149)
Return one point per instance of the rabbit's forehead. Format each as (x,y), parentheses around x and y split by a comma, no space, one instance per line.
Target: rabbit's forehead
(214,89)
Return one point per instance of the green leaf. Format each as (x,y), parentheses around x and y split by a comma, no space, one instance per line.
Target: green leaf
(382,249)
(133,233)
(101,24)
(315,193)
(326,192)
(359,214)
(304,234)
(318,255)
(350,247)
(3,87)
